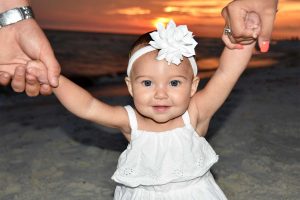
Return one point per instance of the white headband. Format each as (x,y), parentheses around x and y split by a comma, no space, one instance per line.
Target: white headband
(173,43)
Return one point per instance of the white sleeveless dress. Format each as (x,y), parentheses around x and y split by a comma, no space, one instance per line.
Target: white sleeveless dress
(169,165)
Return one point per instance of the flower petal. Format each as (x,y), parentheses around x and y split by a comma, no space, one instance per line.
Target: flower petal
(174,42)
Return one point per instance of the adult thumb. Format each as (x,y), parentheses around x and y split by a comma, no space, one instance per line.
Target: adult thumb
(52,65)
(266,32)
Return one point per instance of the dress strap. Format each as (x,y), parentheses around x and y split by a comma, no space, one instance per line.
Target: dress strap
(132,117)
(186,118)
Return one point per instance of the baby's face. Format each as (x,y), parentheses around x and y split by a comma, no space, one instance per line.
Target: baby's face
(160,91)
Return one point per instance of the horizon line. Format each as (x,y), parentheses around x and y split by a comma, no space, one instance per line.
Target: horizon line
(296,37)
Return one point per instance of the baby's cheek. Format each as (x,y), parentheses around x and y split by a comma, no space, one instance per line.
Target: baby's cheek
(183,98)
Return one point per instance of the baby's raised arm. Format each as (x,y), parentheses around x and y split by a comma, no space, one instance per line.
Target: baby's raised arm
(232,64)
(81,103)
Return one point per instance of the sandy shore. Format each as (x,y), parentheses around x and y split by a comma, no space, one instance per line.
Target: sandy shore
(47,153)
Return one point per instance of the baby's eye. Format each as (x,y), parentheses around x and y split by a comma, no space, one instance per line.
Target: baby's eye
(175,83)
(147,83)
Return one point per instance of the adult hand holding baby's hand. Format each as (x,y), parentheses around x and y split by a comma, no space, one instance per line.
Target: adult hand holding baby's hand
(235,15)
(252,24)
(21,43)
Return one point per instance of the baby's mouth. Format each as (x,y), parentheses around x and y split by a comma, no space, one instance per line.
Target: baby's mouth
(161,108)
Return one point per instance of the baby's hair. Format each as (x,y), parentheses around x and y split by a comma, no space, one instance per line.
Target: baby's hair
(141,42)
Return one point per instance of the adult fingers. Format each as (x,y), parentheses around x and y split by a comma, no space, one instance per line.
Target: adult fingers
(18,81)
(4,78)
(266,31)
(53,67)
(32,86)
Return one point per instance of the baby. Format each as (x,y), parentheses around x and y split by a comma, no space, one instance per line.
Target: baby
(167,156)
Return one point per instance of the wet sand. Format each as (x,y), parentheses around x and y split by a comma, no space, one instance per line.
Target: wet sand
(46,153)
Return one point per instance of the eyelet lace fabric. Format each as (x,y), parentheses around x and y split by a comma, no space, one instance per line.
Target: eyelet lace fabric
(152,159)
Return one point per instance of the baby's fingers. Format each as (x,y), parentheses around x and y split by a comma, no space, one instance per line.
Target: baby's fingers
(32,86)
(37,79)
(45,90)
(229,44)
(38,70)
(253,23)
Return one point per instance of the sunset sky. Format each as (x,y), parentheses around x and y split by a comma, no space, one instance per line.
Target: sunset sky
(137,16)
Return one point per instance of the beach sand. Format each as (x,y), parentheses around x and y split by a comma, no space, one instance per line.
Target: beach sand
(46,153)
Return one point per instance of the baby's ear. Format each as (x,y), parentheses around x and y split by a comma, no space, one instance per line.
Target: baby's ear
(195,84)
(129,86)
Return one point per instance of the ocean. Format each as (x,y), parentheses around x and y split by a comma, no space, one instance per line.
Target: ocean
(86,54)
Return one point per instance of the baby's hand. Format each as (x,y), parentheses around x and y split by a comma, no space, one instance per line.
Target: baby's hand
(252,22)
(37,71)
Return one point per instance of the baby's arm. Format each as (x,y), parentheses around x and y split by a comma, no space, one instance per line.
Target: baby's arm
(232,64)
(81,103)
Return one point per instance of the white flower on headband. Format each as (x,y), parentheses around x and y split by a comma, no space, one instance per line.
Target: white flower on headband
(174,42)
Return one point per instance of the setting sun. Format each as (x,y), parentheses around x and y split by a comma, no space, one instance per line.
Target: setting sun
(158,20)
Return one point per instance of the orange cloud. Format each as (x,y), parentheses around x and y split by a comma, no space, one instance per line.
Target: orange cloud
(130,11)
(194,3)
(192,11)
(195,8)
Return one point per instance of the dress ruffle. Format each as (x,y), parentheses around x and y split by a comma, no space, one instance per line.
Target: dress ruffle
(160,158)
(201,188)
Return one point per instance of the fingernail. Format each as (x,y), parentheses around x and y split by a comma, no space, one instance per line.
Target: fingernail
(264,47)
(239,46)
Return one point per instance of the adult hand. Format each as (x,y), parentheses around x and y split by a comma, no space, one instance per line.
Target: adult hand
(252,24)
(236,11)
(23,79)
(20,43)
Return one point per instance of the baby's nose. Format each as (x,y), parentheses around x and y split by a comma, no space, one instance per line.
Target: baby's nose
(161,93)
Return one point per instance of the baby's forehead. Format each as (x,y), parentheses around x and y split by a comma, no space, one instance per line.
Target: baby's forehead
(148,64)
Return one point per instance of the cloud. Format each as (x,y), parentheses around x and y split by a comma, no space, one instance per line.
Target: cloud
(193,11)
(194,8)
(130,11)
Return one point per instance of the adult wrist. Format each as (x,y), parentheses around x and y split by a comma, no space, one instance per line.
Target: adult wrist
(15,15)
